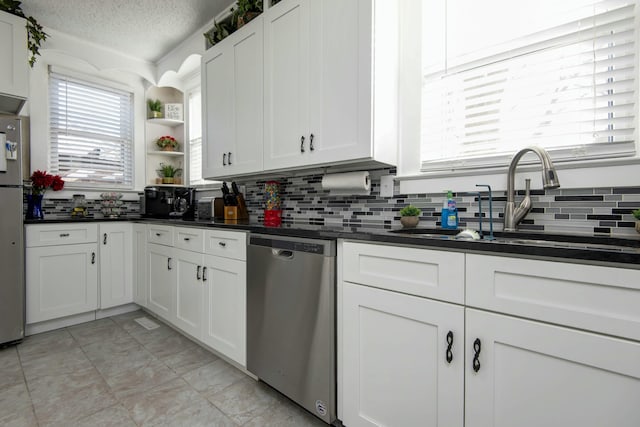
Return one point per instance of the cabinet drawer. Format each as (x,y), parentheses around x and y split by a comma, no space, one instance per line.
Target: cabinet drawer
(228,244)
(601,299)
(421,272)
(191,239)
(60,234)
(160,234)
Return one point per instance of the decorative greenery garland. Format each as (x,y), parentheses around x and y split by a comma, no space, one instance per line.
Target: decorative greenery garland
(35,33)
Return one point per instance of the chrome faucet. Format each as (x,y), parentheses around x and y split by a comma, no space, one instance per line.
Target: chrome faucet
(513,215)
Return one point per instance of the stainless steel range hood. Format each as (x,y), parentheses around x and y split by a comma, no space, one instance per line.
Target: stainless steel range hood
(11,104)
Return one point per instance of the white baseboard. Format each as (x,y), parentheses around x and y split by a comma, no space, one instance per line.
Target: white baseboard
(63,322)
(114,311)
(76,319)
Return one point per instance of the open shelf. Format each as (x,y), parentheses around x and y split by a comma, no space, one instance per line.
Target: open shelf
(166,122)
(166,153)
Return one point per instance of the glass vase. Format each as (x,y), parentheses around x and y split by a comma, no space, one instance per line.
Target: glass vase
(34,206)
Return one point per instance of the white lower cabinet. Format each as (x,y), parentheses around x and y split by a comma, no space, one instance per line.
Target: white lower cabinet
(139,252)
(61,281)
(61,270)
(116,264)
(189,291)
(199,285)
(162,281)
(225,310)
(536,343)
(403,359)
(532,374)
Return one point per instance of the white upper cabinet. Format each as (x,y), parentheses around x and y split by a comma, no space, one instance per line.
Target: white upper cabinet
(316,92)
(322,104)
(14,66)
(232,87)
(286,76)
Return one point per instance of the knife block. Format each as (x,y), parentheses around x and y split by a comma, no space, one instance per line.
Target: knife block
(237,212)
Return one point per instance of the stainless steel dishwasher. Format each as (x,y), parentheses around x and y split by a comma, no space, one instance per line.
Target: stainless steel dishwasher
(291,319)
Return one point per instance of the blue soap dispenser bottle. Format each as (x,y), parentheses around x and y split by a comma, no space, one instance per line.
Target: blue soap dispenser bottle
(449,213)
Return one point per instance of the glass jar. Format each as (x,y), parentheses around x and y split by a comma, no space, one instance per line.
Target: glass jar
(79,206)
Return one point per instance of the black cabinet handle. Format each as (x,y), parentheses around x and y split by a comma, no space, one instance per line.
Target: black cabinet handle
(158,234)
(449,345)
(168,263)
(186,239)
(224,159)
(477,347)
(223,244)
(229,158)
(204,274)
(302,144)
(198,277)
(104,239)
(64,234)
(93,257)
(311,142)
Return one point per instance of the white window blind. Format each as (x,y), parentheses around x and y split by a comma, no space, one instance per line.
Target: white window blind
(91,128)
(558,75)
(195,139)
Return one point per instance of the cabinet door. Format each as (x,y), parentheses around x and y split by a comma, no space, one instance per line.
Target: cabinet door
(189,291)
(116,266)
(61,281)
(396,369)
(225,283)
(535,374)
(340,74)
(217,98)
(162,279)
(140,289)
(14,68)
(232,82)
(286,91)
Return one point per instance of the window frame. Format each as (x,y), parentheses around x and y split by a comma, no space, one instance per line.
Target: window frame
(612,172)
(106,85)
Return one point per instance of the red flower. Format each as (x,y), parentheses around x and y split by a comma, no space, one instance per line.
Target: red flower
(41,181)
(57,184)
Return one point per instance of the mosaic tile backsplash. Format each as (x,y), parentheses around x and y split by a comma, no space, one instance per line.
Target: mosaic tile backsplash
(62,208)
(590,211)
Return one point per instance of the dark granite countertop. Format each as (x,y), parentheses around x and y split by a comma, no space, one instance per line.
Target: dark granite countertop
(573,248)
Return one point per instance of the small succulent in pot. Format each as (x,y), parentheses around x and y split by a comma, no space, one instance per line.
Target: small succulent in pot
(410,216)
(155,106)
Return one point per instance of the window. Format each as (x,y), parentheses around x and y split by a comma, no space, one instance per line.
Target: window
(91,129)
(195,138)
(500,75)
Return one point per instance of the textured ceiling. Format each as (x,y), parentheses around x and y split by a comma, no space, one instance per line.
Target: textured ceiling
(145,29)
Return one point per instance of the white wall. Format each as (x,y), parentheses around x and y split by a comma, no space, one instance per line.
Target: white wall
(93,63)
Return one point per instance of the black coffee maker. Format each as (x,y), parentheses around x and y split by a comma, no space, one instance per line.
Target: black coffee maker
(169,202)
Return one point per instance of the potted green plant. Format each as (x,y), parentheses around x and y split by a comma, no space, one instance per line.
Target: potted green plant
(168,172)
(35,32)
(220,31)
(409,216)
(155,106)
(636,215)
(245,11)
(167,143)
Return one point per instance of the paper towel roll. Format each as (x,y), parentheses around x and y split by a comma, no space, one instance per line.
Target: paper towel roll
(350,183)
(3,152)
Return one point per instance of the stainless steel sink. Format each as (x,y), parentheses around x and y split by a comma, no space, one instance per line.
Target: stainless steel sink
(549,241)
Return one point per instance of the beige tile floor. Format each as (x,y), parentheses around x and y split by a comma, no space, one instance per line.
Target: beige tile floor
(114,372)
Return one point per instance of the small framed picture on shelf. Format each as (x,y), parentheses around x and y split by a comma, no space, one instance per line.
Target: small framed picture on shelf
(173,111)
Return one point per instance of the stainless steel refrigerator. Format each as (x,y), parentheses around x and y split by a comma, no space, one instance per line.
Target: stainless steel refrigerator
(12,284)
